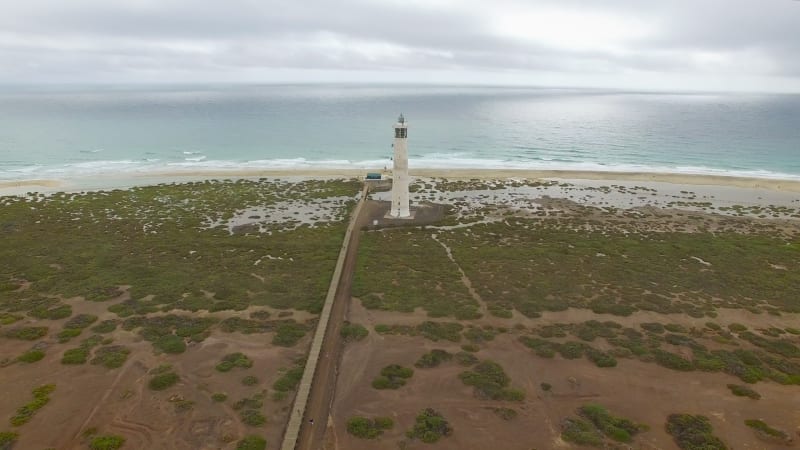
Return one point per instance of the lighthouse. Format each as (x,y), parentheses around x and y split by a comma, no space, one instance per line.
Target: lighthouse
(400,208)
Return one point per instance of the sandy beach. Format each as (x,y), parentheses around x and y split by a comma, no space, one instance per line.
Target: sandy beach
(17,187)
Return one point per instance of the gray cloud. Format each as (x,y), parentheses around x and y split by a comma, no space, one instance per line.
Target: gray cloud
(681,44)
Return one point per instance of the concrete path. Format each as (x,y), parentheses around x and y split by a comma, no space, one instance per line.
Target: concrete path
(316,389)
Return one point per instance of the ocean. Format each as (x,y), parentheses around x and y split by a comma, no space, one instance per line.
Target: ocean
(73,132)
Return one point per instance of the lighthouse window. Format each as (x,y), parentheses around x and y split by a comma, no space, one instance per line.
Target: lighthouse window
(400,132)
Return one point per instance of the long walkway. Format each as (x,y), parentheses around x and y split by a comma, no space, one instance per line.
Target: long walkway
(316,389)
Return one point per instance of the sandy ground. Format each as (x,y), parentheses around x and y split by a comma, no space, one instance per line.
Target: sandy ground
(646,393)
(118,401)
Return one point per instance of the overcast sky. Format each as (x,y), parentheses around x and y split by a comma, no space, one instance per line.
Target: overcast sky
(634,44)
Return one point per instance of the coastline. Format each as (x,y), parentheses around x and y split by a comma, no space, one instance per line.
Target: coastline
(16,187)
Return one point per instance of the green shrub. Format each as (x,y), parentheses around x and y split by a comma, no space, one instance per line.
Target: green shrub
(693,432)
(547,387)
(7,439)
(353,332)
(653,327)
(580,432)
(170,344)
(219,396)
(675,328)
(232,360)
(111,356)
(571,350)
(743,391)
(108,442)
(75,356)
(289,380)
(254,402)
(478,335)
(106,326)
(767,432)
(541,347)
(59,312)
(26,333)
(616,428)
(672,361)
(252,417)
(41,396)
(600,359)
(69,333)
(433,358)
(163,381)
(80,321)
(737,327)
(288,334)
(31,356)
(490,381)
(466,359)
(435,331)
(252,443)
(365,428)
(249,380)
(392,377)
(429,427)
(8,319)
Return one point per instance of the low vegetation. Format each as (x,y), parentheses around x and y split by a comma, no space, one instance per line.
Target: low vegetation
(250,380)
(767,433)
(80,354)
(430,426)
(288,333)
(107,442)
(490,381)
(106,326)
(163,381)
(616,428)
(366,428)
(167,243)
(692,432)
(743,391)
(434,331)
(351,332)
(252,442)
(7,439)
(290,378)
(595,425)
(583,257)
(254,402)
(41,397)
(233,360)
(26,333)
(111,356)
(438,289)
(31,356)
(433,358)
(252,417)
(392,377)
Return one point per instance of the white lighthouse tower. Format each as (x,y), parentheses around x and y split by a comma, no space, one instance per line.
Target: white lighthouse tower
(400,208)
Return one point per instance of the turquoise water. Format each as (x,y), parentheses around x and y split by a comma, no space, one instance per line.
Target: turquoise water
(76,132)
